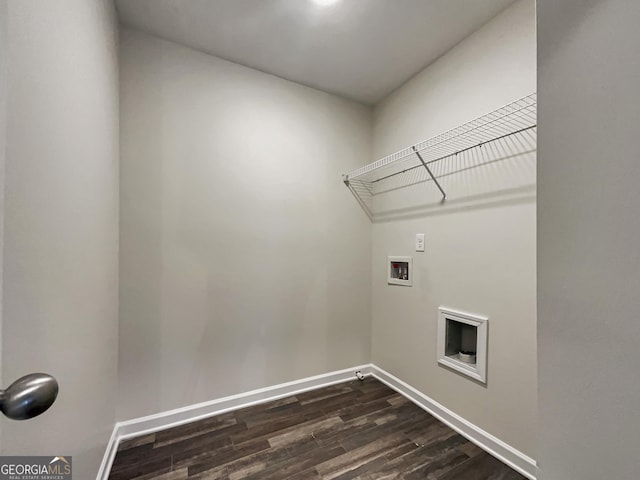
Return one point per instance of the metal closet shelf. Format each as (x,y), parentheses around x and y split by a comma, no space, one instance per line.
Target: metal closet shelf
(514,118)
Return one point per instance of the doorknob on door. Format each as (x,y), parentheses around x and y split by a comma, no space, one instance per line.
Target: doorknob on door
(28,396)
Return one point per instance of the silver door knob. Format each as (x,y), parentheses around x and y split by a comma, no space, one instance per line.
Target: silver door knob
(28,396)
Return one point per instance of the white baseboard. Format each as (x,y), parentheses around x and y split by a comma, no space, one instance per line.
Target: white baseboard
(173,418)
(109,455)
(492,445)
(160,421)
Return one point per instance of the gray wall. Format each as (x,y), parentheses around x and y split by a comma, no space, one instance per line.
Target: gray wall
(245,262)
(589,238)
(61,224)
(480,244)
(3,146)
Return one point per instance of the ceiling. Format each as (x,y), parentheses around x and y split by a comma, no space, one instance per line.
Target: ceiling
(359,49)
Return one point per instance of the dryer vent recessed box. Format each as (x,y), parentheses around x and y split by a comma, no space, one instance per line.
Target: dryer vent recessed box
(462,343)
(400,271)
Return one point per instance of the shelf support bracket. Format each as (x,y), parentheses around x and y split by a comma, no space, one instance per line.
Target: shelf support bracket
(345,179)
(444,195)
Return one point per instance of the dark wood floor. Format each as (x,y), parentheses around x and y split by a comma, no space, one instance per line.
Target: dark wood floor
(351,431)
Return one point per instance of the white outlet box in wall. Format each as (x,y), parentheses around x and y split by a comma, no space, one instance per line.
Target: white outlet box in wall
(400,271)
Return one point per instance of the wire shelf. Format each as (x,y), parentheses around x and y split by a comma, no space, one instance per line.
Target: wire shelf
(518,117)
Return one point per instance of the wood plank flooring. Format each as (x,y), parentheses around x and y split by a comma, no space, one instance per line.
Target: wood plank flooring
(351,431)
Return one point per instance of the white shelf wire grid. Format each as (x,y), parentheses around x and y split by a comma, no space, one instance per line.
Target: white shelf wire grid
(518,117)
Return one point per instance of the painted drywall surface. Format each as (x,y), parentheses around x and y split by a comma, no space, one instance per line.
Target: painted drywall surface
(588,230)
(245,262)
(480,244)
(61,224)
(3,148)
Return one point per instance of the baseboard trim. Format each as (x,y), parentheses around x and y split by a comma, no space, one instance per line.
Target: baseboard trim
(173,418)
(109,455)
(492,445)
